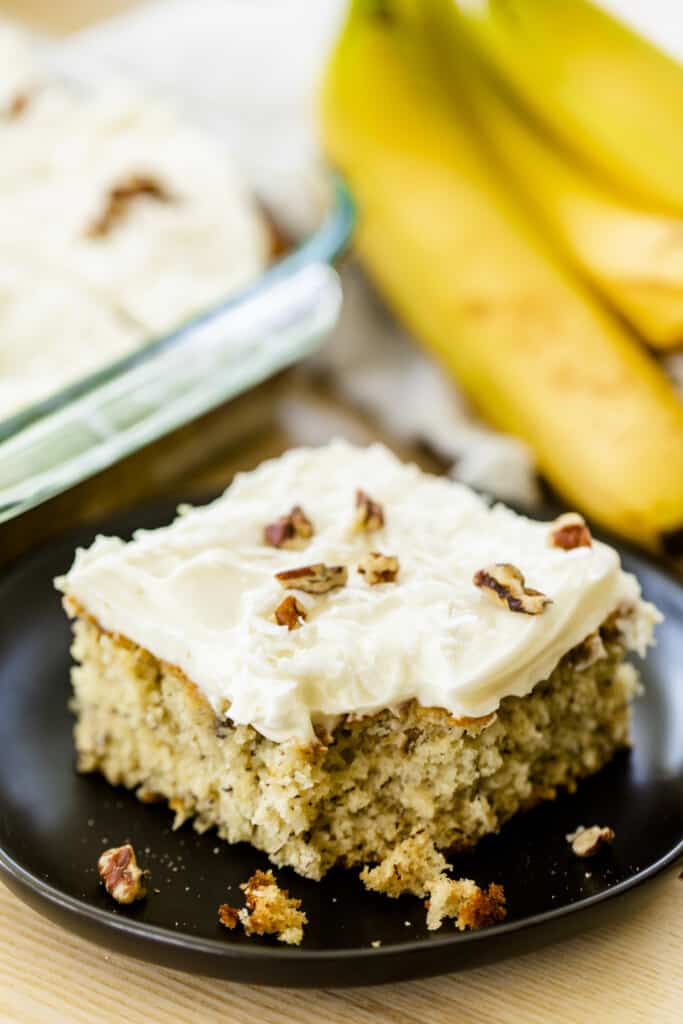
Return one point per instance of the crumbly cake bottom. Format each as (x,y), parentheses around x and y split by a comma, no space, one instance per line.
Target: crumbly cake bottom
(371,784)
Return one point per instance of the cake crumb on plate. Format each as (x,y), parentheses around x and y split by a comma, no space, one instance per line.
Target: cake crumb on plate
(463,900)
(416,866)
(407,868)
(585,842)
(268,910)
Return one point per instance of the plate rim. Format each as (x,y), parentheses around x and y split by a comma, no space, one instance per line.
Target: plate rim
(157,934)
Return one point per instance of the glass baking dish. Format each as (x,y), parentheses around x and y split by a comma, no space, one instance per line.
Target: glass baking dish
(88,426)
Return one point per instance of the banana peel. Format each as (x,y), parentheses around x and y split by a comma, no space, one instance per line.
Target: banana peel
(471,277)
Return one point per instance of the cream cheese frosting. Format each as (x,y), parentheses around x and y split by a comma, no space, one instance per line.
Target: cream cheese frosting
(201,593)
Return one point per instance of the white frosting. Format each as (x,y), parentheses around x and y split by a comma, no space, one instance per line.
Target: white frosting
(37,358)
(16,64)
(201,593)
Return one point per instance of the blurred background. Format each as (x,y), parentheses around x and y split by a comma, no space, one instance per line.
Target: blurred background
(508,209)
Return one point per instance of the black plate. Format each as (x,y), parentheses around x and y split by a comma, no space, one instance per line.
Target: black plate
(54,824)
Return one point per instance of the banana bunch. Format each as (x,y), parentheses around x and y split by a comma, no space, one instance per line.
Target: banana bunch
(469,271)
(594,83)
(623,228)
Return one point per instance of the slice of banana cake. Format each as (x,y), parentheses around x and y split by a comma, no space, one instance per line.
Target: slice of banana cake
(342,650)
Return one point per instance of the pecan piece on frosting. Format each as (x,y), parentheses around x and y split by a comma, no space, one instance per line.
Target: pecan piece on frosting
(586,842)
(378,568)
(570,531)
(17,105)
(119,198)
(290,612)
(313,579)
(289,529)
(504,583)
(122,878)
(370,514)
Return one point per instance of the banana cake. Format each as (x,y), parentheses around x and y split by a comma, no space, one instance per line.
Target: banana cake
(343,651)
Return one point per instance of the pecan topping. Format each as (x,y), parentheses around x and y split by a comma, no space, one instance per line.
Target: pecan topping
(505,584)
(119,871)
(570,531)
(119,199)
(370,514)
(313,579)
(586,842)
(17,105)
(228,916)
(286,530)
(290,613)
(378,568)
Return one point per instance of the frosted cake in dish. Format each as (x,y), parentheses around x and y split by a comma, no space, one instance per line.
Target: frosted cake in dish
(343,650)
(120,221)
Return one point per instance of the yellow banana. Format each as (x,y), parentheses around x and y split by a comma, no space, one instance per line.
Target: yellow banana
(610,95)
(634,256)
(470,276)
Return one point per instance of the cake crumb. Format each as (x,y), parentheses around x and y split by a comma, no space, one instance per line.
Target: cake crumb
(268,910)
(409,867)
(463,900)
(376,943)
(228,916)
(416,866)
(585,842)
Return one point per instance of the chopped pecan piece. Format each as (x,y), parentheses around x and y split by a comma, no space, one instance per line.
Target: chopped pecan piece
(295,526)
(228,916)
(290,613)
(119,871)
(313,579)
(505,584)
(17,105)
(119,199)
(570,531)
(370,514)
(586,842)
(378,568)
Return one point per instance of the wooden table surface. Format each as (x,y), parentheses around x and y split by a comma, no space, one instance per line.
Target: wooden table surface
(631,972)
